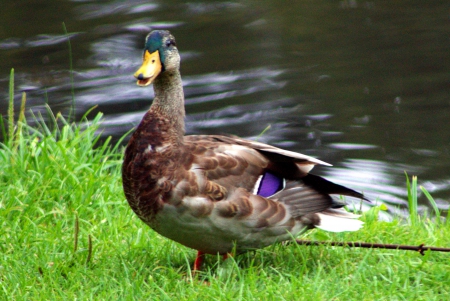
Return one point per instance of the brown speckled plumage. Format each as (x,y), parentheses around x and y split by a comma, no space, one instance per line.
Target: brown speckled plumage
(201,190)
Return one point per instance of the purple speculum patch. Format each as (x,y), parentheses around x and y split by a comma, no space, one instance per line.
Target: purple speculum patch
(270,184)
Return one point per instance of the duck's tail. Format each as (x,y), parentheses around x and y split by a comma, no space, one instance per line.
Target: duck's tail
(338,220)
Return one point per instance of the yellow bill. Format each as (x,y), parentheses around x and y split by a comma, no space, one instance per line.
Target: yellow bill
(149,70)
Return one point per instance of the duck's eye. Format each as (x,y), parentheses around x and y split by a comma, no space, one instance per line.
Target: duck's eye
(170,43)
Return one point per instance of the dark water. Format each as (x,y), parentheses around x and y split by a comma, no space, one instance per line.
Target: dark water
(362,85)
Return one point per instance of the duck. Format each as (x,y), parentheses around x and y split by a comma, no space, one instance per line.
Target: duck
(219,194)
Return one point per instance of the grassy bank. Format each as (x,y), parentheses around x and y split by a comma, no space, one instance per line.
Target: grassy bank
(66,233)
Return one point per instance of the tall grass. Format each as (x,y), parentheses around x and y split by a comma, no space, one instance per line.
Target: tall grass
(411,187)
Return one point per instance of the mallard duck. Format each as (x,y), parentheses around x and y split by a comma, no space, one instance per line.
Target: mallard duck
(214,193)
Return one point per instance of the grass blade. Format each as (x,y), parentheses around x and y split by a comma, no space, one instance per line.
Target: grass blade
(11,106)
(432,202)
(72,106)
(22,108)
(412,198)
(263,132)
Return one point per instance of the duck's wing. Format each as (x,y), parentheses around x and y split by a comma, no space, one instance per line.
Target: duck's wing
(228,159)
(226,164)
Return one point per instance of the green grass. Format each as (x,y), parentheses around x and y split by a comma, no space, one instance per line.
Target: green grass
(60,188)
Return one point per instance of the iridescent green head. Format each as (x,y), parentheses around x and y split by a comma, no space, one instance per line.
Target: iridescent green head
(160,55)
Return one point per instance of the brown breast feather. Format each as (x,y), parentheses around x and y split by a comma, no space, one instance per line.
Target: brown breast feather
(151,165)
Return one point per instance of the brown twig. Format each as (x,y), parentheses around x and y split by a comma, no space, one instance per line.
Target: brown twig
(421,248)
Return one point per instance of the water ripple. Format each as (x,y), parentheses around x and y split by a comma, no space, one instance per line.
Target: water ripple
(36,41)
(97,10)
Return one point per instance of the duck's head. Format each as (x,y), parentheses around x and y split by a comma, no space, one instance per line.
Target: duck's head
(160,55)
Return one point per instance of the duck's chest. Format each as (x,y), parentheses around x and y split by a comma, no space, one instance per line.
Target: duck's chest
(152,164)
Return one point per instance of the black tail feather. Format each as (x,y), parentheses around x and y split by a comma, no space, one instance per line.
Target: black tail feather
(324,186)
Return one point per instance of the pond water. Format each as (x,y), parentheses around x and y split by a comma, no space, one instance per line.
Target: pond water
(362,85)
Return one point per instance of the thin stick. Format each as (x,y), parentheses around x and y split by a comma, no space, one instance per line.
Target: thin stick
(421,248)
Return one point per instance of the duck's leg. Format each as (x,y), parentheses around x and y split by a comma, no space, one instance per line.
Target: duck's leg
(201,257)
(199,261)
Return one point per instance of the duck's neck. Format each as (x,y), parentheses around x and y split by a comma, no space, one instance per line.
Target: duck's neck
(169,99)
